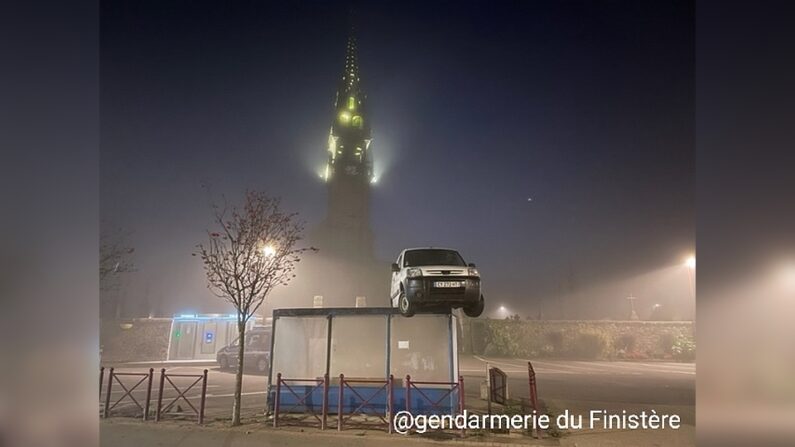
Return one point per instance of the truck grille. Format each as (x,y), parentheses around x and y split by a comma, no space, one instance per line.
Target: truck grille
(440,272)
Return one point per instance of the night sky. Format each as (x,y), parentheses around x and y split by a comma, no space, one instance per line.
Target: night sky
(585,107)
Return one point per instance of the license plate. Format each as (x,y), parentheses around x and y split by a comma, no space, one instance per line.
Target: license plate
(447,284)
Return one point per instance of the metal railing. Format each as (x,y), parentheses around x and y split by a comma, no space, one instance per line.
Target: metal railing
(301,399)
(498,381)
(200,378)
(143,378)
(365,404)
(437,403)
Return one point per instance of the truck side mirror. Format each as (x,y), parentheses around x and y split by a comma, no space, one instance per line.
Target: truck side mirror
(472,264)
(395,267)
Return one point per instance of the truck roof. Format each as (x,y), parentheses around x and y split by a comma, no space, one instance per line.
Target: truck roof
(428,248)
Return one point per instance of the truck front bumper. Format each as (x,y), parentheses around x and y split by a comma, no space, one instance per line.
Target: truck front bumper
(424,290)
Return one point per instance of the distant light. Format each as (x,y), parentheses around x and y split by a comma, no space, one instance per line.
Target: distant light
(786,276)
(374,180)
(502,308)
(691,262)
(268,251)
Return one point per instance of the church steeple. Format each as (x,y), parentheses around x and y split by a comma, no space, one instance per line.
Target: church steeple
(349,138)
(345,238)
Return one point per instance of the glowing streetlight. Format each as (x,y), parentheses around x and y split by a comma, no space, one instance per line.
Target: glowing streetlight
(786,276)
(268,251)
(690,264)
(503,309)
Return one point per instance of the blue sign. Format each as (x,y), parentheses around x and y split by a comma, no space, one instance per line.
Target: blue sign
(208,337)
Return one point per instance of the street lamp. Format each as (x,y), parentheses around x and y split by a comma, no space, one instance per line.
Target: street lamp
(786,276)
(690,264)
(632,314)
(268,251)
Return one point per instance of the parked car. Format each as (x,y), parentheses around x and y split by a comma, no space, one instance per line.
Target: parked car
(435,277)
(257,352)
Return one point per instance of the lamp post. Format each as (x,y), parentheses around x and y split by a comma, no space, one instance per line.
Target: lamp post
(632,314)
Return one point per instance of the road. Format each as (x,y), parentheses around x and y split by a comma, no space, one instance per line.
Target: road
(562,384)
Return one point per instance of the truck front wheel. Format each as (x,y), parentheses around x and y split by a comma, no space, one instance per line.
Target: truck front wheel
(474,310)
(405,305)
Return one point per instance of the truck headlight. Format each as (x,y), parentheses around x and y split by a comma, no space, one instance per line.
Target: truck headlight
(414,273)
(473,272)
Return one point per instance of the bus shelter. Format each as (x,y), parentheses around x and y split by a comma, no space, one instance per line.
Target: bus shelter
(366,346)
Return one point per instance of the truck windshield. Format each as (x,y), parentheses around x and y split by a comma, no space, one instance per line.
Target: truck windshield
(418,258)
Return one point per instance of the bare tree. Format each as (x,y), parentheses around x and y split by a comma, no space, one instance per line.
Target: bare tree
(114,255)
(253,250)
(114,260)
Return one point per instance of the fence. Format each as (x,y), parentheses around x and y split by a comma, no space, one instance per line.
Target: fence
(498,383)
(144,378)
(368,403)
(456,389)
(302,400)
(147,378)
(181,393)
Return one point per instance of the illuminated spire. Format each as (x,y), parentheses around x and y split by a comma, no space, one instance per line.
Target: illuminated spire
(349,139)
(350,80)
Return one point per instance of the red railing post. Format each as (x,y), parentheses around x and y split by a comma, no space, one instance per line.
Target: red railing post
(276,399)
(340,402)
(101,379)
(461,402)
(148,394)
(107,392)
(390,401)
(204,396)
(461,394)
(532,382)
(490,393)
(325,402)
(408,393)
(160,394)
